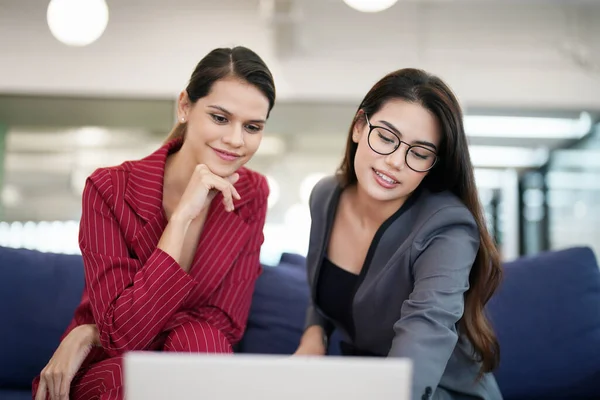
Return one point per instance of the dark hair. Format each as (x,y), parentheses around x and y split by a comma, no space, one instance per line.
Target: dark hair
(238,62)
(453,172)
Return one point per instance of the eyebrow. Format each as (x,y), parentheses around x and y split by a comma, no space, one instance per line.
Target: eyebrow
(397,132)
(229,113)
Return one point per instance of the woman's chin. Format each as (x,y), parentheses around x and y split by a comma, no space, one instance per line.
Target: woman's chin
(223,170)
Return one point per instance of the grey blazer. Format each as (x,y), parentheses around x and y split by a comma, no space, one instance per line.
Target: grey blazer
(410,294)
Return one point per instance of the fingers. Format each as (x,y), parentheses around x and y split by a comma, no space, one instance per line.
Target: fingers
(53,383)
(233,178)
(42,389)
(48,377)
(58,378)
(227,189)
(228,198)
(65,385)
(235,193)
(229,193)
(225,185)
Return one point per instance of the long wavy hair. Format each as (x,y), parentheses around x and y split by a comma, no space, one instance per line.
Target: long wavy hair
(453,172)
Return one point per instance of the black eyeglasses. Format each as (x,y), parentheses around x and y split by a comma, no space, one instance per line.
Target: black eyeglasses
(383,141)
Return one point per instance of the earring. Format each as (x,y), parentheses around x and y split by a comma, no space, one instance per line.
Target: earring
(182,119)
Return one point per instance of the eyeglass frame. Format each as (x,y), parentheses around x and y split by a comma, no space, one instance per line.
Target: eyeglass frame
(410,146)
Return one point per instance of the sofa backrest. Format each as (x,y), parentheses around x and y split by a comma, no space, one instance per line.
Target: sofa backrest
(546,315)
(276,320)
(38,295)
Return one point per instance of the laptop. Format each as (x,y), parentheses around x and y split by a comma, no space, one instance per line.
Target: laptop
(179,376)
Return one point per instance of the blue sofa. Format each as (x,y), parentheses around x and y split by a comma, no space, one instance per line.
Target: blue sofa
(546,315)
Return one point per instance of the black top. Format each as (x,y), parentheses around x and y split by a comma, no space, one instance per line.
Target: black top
(335,293)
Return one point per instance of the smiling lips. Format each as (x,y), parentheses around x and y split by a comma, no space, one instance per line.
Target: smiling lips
(385,180)
(226,155)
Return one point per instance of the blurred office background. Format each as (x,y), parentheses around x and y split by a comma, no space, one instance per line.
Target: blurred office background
(527,73)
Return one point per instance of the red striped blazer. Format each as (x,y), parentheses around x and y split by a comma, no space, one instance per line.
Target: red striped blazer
(134,292)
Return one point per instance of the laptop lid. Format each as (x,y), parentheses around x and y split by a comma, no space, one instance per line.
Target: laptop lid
(175,376)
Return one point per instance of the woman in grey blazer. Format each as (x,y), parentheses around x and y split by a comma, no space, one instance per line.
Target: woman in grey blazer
(400,260)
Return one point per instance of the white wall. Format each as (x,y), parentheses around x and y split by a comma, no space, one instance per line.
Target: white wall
(506,54)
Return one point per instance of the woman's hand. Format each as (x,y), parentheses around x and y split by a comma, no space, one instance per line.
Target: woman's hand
(310,350)
(312,342)
(201,189)
(199,192)
(56,377)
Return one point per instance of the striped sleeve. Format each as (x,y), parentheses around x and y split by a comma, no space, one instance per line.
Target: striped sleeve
(130,302)
(224,317)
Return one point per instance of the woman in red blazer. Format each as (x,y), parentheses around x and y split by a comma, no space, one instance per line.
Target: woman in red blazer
(171,243)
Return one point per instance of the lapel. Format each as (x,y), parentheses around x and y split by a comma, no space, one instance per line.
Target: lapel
(144,195)
(324,201)
(389,240)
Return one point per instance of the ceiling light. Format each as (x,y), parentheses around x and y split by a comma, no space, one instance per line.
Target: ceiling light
(507,157)
(370,6)
(77,22)
(11,196)
(91,136)
(528,127)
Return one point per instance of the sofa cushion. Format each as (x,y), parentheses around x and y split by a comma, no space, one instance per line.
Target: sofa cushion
(15,394)
(38,294)
(293,259)
(546,314)
(276,319)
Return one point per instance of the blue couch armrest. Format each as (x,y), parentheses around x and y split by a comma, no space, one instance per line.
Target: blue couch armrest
(546,314)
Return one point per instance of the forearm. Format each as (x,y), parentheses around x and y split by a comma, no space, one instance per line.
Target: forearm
(158,290)
(171,241)
(130,316)
(314,334)
(313,341)
(84,335)
(131,300)
(91,335)
(428,349)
